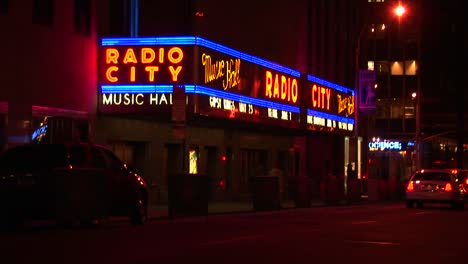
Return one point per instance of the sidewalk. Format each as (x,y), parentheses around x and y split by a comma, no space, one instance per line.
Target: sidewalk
(214,208)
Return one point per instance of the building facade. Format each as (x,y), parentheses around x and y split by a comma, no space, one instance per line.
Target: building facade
(50,57)
(301,119)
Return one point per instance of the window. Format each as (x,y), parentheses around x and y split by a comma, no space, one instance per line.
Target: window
(34,157)
(83,17)
(3,7)
(113,162)
(432,176)
(43,12)
(77,156)
(97,160)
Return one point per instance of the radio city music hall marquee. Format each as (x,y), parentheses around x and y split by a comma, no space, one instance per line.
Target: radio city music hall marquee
(139,73)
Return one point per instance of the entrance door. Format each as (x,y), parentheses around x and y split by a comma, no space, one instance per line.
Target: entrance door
(253,164)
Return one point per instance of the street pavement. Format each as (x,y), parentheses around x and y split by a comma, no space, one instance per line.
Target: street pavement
(229,207)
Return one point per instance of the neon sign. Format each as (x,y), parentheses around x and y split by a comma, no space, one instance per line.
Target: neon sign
(229,70)
(287,91)
(138,74)
(137,65)
(330,107)
(377,145)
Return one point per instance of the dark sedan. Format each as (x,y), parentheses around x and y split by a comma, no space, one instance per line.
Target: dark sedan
(68,182)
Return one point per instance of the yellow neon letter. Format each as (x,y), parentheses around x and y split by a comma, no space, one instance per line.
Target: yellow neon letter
(161,55)
(144,55)
(111,56)
(109,76)
(284,88)
(130,56)
(178,58)
(294,90)
(268,84)
(314,90)
(175,72)
(132,73)
(276,88)
(151,70)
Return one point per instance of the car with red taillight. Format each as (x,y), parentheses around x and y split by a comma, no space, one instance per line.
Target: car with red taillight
(441,186)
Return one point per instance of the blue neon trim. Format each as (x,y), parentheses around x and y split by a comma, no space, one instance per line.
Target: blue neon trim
(329,84)
(330,116)
(187,40)
(196,89)
(136,88)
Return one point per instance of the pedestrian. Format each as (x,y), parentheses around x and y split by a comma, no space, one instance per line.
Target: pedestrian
(277,173)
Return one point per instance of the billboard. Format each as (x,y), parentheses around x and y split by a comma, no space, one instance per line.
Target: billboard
(366,90)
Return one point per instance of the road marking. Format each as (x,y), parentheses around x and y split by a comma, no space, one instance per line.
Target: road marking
(363,222)
(420,213)
(373,242)
(225,241)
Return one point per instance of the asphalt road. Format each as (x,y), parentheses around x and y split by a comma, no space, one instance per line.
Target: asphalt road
(384,233)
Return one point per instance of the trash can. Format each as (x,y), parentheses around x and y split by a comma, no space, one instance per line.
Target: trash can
(188,194)
(266,193)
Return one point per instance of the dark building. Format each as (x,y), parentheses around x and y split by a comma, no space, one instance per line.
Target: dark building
(315,38)
(420,101)
(49,69)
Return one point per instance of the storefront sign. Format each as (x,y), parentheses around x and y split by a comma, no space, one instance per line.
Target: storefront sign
(385,145)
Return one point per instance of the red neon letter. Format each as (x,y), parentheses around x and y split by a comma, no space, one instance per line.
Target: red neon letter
(268,84)
(175,72)
(109,76)
(322,91)
(151,70)
(178,58)
(276,87)
(111,56)
(314,90)
(328,98)
(161,55)
(132,73)
(284,88)
(144,55)
(130,56)
(294,90)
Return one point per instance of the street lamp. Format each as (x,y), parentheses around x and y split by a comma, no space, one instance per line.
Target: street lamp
(399,10)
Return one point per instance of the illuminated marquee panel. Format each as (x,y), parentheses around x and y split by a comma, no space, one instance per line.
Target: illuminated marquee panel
(242,74)
(137,75)
(330,107)
(137,65)
(234,106)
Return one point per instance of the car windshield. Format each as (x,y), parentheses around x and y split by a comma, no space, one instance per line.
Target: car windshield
(33,157)
(432,176)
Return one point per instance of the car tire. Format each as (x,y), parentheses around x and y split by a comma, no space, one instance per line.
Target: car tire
(409,204)
(139,212)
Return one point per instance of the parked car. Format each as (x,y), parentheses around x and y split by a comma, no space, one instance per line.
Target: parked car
(69,182)
(436,186)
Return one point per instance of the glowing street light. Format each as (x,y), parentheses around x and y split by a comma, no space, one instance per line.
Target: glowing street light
(399,10)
